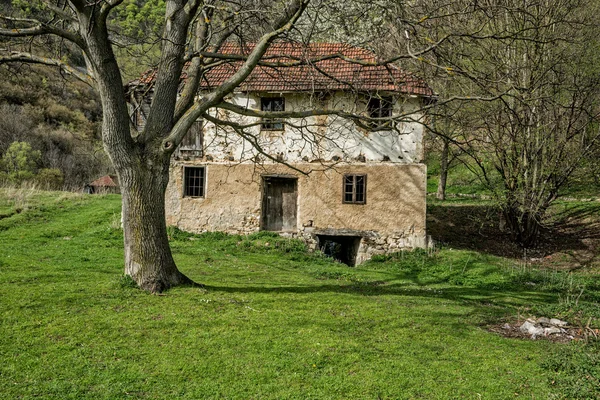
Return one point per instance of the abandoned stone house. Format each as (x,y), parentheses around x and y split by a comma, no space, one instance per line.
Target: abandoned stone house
(350,188)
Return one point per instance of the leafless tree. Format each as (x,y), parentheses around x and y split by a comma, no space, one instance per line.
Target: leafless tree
(142,160)
(194,31)
(535,64)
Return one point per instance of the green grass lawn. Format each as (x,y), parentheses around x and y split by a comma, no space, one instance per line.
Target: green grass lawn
(273,322)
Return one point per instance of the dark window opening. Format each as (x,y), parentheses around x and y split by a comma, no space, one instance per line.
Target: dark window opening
(380,107)
(273,104)
(355,189)
(341,248)
(194,181)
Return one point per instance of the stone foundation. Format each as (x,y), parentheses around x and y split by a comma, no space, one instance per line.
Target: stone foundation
(371,242)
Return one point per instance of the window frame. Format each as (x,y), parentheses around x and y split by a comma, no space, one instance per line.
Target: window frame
(192,144)
(267,104)
(187,189)
(354,187)
(380,107)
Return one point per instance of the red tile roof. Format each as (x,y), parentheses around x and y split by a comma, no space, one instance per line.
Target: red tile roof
(105,181)
(329,74)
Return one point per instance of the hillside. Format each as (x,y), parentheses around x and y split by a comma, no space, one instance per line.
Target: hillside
(59,117)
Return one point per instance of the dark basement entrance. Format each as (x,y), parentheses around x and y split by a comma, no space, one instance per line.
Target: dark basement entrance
(342,248)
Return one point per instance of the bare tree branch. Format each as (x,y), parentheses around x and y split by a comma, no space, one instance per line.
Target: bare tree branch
(33,59)
(62,12)
(162,112)
(107,6)
(284,24)
(38,28)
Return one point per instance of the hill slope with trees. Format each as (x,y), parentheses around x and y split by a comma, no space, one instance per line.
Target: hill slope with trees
(51,123)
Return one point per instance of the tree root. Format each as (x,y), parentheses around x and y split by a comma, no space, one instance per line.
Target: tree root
(160,285)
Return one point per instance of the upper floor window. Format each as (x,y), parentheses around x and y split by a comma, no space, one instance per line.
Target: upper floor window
(192,142)
(272,104)
(380,107)
(355,189)
(139,108)
(194,181)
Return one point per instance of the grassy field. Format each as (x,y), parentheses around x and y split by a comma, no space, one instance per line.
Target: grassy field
(273,321)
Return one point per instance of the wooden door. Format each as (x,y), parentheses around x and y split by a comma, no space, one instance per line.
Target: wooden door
(279,204)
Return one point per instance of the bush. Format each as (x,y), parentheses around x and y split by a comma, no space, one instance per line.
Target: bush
(57,114)
(50,179)
(20,162)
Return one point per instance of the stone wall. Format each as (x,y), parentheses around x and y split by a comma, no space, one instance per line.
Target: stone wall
(371,243)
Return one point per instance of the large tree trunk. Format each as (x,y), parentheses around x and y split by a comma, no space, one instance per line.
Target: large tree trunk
(148,258)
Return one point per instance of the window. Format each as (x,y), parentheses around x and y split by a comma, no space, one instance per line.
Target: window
(191,145)
(379,107)
(272,104)
(138,114)
(355,189)
(194,181)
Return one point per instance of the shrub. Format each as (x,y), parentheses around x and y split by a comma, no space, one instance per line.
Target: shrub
(57,113)
(20,162)
(50,179)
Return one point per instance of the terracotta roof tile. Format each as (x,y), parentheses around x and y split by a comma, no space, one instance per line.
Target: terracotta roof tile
(328,74)
(105,181)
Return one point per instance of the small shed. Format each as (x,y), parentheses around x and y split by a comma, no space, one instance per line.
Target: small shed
(105,184)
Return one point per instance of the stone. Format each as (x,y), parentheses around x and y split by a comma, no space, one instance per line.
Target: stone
(530,328)
(558,322)
(551,330)
(544,321)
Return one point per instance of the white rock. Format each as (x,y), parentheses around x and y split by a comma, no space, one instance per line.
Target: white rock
(558,322)
(544,321)
(530,328)
(551,330)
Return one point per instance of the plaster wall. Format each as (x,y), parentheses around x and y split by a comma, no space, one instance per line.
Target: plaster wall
(320,138)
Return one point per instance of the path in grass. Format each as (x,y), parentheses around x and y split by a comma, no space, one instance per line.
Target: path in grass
(272,322)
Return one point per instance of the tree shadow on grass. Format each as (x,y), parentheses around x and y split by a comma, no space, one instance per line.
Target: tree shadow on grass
(412,275)
(377,288)
(573,232)
(479,306)
(506,294)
